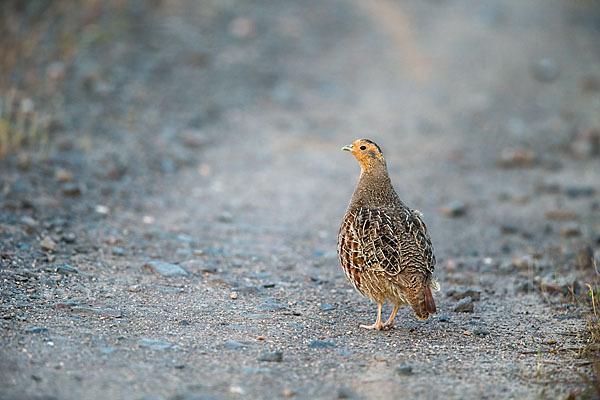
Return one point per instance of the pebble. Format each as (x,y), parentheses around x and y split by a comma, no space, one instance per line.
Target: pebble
(516,158)
(464,305)
(66,269)
(63,175)
(346,393)
(545,70)
(36,329)
(69,237)
(233,295)
(327,307)
(70,189)
(47,244)
(319,344)
(404,370)
(455,208)
(117,251)
(571,230)
(273,356)
(444,318)
(232,344)
(156,344)
(509,228)
(560,215)
(480,332)
(459,294)
(579,191)
(271,305)
(164,268)
(287,393)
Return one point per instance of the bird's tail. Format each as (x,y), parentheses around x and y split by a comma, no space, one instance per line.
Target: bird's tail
(422,302)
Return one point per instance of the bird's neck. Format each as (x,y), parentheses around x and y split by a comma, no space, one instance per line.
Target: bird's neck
(374,188)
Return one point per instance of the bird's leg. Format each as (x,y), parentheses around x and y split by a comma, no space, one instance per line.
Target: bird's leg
(377,325)
(389,324)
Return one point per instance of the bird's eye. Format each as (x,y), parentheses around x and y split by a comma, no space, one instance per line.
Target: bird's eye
(363,147)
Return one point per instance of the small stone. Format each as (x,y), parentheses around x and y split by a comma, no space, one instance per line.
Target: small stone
(560,215)
(156,344)
(444,318)
(516,158)
(101,209)
(455,208)
(70,189)
(66,269)
(571,230)
(346,393)
(107,350)
(579,191)
(47,244)
(319,344)
(467,333)
(287,393)
(232,344)
(459,294)
(233,295)
(164,268)
(327,307)
(404,370)
(545,70)
(63,176)
(36,329)
(480,332)
(272,356)
(225,217)
(585,258)
(117,251)
(69,237)
(509,228)
(464,305)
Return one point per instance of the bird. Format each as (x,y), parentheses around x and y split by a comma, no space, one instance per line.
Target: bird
(383,245)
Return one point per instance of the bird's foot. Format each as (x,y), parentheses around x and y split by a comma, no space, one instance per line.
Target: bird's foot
(388,326)
(377,326)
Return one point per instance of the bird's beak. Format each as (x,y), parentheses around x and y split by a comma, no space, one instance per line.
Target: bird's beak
(348,147)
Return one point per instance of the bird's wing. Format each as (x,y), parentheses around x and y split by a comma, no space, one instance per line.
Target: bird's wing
(394,241)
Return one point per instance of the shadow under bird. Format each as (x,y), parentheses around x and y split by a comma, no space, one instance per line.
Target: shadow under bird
(383,245)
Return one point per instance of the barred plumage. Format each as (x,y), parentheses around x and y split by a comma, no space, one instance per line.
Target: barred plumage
(383,246)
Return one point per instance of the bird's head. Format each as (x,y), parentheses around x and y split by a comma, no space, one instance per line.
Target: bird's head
(367,152)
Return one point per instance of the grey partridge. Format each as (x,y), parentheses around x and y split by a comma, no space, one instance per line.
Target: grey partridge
(383,245)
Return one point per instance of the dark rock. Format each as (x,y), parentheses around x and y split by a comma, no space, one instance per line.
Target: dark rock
(545,70)
(455,208)
(268,285)
(444,318)
(327,307)
(404,370)
(36,329)
(164,268)
(458,294)
(319,344)
(464,305)
(273,356)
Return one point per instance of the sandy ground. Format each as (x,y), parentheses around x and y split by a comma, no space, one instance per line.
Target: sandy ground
(207,135)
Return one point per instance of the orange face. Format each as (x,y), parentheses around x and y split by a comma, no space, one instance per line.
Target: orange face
(365,151)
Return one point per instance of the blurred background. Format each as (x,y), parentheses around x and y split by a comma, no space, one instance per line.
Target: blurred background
(179,129)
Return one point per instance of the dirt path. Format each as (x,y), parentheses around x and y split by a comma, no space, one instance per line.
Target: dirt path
(208,137)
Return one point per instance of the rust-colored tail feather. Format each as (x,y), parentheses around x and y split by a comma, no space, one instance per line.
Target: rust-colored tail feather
(429,303)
